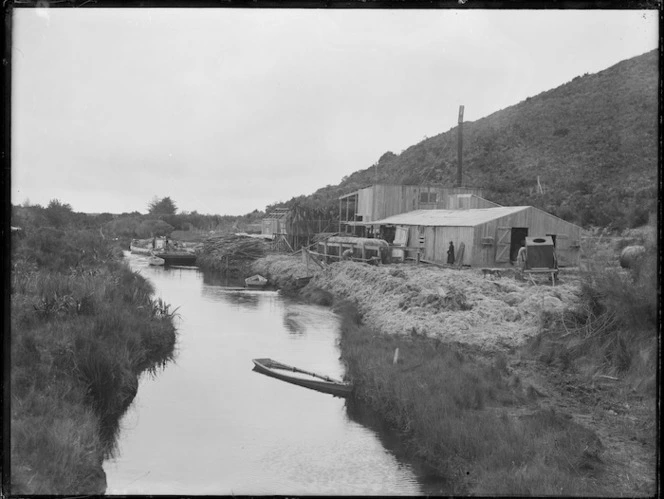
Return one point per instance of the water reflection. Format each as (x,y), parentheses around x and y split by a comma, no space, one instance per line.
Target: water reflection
(212,278)
(430,481)
(292,323)
(237,297)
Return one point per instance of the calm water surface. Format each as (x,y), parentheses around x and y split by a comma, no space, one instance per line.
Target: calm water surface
(208,424)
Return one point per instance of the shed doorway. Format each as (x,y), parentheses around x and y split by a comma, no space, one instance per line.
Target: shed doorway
(519,234)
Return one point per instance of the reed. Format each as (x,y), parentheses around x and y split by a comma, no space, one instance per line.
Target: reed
(80,338)
(453,405)
(612,330)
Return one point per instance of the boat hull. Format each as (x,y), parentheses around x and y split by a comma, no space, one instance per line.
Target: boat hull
(137,250)
(338,389)
(177,258)
(256,281)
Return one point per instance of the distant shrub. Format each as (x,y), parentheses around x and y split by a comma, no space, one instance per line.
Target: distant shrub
(151,228)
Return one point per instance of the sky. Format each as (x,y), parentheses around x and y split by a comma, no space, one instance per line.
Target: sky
(229,110)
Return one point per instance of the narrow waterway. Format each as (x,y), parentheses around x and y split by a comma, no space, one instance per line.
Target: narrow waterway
(208,424)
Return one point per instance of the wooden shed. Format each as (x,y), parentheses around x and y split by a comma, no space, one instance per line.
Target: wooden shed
(275,222)
(383,200)
(491,236)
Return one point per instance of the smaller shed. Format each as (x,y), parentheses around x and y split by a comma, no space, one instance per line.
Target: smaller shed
(275,222)
(491,236)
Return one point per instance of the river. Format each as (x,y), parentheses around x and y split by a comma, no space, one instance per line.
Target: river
(207,424)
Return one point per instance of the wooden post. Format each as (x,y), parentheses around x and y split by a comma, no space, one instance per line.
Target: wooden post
(304,252)
(460,150)
(339,216)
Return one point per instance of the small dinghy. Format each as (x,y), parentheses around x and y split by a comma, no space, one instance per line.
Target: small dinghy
(255,281)
(300,377)
(155,260)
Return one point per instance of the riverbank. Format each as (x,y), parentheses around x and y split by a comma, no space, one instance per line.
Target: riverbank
(481,389)
(83,329)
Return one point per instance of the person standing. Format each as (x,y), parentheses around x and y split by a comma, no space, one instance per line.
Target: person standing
(522,255)
(450,254)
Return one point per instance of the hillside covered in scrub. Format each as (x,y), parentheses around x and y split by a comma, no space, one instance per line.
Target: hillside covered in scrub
(592,142)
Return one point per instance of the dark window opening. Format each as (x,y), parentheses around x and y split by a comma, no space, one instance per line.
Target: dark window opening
(428,197)
(388,233)
(519,235)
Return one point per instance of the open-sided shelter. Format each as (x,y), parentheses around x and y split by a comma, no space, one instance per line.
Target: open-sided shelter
(491,236)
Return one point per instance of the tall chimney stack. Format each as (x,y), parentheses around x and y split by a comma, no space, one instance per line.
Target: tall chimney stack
(460,151)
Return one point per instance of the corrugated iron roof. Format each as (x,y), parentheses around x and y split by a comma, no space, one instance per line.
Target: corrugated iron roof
(449,218)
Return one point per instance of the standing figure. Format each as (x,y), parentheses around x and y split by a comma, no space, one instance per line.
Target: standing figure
(450,254)
(522,255)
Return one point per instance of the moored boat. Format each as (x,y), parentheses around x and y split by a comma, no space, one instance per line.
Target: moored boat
(139,250)
(256,281)
(155,260)
(177,258)
(303,378)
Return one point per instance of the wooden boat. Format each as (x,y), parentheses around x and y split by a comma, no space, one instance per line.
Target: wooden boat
(255,281)
(155,260)
(138,250)
(177,258)
(300,377)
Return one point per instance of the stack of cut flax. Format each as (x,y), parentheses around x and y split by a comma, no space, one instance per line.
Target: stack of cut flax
(231,252)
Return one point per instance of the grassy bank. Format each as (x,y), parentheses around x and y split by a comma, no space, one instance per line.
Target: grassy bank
(502,386)
(83,328)
(454,407)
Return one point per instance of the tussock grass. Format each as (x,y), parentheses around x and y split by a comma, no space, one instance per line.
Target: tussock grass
(611,331)
(80,338)
(453,407)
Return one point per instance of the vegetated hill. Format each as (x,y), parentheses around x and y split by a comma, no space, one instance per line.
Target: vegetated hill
(593,142)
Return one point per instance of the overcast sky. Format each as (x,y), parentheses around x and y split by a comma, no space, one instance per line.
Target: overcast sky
(229,110)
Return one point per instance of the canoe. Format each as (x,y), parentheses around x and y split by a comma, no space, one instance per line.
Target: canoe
(177,258)
(303,378)
(155,260)
(256,281)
